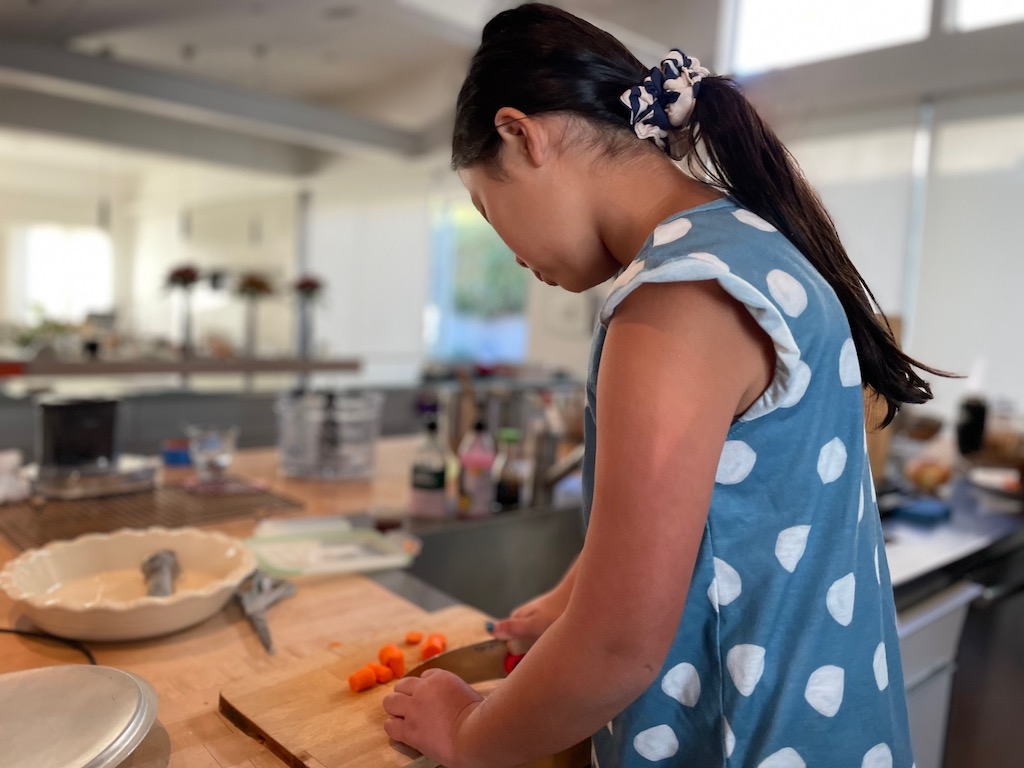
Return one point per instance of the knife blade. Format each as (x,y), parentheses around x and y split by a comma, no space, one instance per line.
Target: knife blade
(477,663)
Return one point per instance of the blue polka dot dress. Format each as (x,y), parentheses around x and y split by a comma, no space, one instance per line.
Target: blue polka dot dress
(787,654)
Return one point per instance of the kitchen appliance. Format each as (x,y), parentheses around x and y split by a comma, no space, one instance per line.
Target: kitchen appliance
(77,452)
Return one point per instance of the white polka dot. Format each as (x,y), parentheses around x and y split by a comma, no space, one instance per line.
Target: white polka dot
(784,758)
(860,505)
(879,756)
(628,274)
(824,689)
(849,366)
(735,463)
(881,668)
(878,573)
(787,291)
(710,258)
(726,586)
(790,545)
(656,743)
(840,599)
(682,683)
(796,385)
(746,665)
(831,460)
(593,756)
(871,485)
(751,218)
(671,231)
(609,727)
(730,739)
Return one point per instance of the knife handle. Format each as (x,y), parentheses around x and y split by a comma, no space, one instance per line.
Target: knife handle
(511,661)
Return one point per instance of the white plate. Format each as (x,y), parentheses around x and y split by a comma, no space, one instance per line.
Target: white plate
(73,716)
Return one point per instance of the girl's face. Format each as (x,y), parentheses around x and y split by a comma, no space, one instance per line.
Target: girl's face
(543,212)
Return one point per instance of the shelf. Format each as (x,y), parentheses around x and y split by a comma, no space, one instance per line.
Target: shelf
(15,368)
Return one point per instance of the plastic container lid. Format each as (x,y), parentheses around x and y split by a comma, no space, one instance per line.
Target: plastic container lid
(103,715)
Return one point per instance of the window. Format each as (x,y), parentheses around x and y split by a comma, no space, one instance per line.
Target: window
(771,34)
(477,307)
(975,14)
(63,273)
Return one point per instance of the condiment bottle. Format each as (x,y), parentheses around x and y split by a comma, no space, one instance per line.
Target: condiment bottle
(476,460)
(429,497)
(511,470)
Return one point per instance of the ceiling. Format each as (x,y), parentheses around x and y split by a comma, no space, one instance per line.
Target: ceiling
(397,62)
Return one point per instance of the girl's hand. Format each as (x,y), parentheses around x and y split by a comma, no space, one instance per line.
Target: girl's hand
(529,621)
(427,712)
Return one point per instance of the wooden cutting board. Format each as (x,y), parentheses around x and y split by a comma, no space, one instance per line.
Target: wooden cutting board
(307,715)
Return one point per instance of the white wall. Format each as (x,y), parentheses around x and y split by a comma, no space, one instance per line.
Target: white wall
(970,307)
(370,234)
(257,235)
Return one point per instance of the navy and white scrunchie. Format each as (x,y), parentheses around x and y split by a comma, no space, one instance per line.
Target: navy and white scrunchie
(664,99)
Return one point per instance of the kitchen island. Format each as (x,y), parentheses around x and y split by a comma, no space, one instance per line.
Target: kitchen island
(190,668)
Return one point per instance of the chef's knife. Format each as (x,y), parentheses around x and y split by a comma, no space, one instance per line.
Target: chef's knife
(477,663)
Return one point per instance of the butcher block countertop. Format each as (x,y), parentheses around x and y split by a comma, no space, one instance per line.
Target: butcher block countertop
(190,668)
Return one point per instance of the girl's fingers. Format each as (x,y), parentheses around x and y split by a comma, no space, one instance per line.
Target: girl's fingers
(406,685)
(396,704)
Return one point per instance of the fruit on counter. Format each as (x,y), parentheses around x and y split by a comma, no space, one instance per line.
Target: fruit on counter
(434,645)
(928,474)
(362,679)
(412,637)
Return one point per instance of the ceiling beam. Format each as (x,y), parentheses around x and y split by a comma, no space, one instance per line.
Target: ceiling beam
(944,65)
(188,99)
(38,112)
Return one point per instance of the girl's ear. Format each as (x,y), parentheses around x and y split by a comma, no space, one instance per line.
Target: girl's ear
(523,138)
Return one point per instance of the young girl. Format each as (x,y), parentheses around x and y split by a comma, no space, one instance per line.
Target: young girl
(731,605)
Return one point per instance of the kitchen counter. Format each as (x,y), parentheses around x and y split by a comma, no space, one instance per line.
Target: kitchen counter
(923,558)
(189,668)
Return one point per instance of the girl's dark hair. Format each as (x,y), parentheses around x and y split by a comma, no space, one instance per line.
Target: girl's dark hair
(541,59)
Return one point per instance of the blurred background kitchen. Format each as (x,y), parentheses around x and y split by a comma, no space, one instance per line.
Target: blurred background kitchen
(232,212)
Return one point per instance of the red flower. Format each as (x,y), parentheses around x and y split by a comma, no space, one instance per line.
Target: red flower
(308,287)
(254,284)
(184,276)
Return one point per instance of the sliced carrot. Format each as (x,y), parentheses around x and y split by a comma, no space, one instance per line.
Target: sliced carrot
(434,645)
(383,673)
(397,665)
(362,679)
(388,651)
(412,637)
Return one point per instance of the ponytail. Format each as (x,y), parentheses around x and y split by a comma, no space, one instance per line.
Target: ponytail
(739,153)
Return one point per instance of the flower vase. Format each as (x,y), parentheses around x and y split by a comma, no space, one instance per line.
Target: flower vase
(250,327)
(186,323)
(305,323)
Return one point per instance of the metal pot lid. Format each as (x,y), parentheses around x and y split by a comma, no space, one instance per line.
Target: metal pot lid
(74,716)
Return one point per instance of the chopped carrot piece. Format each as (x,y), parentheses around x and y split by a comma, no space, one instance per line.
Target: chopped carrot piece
(362,679)
(413,637)
(434,645)
(397,665)
(388,651)
(384,673)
